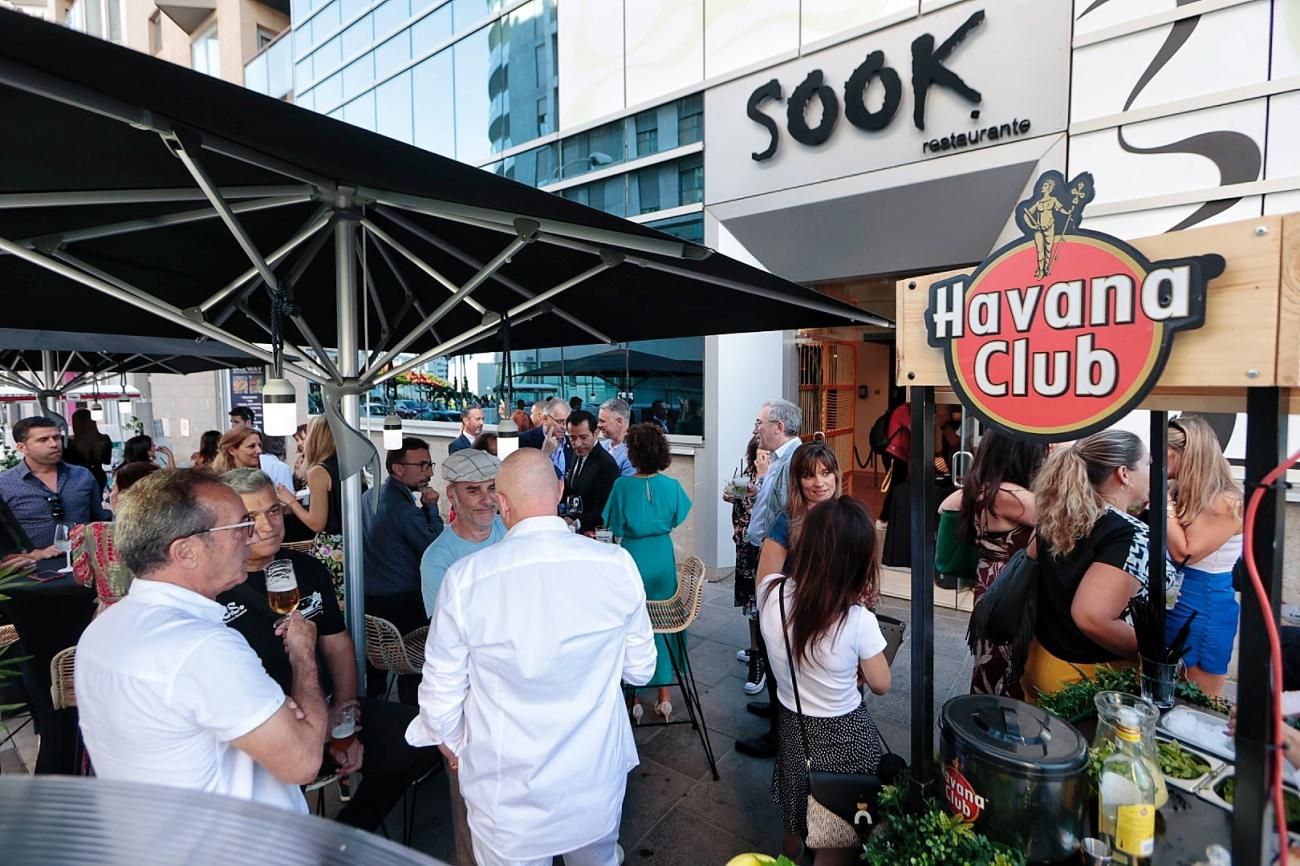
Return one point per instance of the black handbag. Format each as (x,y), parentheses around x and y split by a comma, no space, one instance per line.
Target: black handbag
(841,806)
(1008,611)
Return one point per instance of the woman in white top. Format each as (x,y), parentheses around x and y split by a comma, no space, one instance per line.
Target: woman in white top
(1205,526)
(836,644)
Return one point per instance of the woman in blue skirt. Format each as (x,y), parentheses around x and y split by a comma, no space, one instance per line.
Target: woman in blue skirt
(1205,526)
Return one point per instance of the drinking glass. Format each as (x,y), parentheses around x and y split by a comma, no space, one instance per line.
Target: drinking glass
(574,505)
(344,729)
(604,535)
(282,588)
(63,541)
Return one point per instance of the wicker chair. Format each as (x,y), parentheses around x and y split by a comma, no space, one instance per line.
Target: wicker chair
(670,618)
(389,650)
(62,692)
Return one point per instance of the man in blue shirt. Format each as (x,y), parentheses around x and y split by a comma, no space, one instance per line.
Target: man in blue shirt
(615,415)
(397,533)
(471,488)
(42,491)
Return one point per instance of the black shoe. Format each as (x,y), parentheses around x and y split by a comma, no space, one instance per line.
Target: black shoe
(762,709)
(759,747)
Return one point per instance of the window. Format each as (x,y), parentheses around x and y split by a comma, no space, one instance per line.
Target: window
(647,183)
(393,54)
(434,125)
(155,32)
(472,60)
(541,113)
(359,36)
(393,107)
(690,180)
(205,52)
(690,120)
(265,35)
(647,133)
(102,18)
(359,76)
(594,148)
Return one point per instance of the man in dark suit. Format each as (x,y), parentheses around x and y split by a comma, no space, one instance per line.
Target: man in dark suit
(590,471)
(549,435)
(471,425)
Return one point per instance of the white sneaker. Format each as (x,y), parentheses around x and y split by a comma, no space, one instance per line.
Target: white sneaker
(743,655)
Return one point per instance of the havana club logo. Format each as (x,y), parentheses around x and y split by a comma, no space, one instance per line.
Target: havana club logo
(961,797)
(1062,331)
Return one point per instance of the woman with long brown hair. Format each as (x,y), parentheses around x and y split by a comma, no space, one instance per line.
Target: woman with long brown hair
(821,637)
(208,450)
(815,477)
(1092,558)
(997,514)
(239,448)
(88,447)
(1205,534)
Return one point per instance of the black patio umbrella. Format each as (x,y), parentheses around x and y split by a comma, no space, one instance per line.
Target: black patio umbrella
(140,197)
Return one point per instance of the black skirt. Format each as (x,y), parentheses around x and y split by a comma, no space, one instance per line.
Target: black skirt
(842,744)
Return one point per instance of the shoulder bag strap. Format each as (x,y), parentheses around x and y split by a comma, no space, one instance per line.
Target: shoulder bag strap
(794,680)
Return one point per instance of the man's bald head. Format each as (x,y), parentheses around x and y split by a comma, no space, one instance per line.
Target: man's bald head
(527,486)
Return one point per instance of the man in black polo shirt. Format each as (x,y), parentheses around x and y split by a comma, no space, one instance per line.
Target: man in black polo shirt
(380,752)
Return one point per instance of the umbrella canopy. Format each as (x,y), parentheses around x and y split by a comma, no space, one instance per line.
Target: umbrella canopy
(616,364)
(83,394)
(142,197)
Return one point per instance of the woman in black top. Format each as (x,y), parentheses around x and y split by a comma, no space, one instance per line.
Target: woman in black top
(1092,558)
(88,447)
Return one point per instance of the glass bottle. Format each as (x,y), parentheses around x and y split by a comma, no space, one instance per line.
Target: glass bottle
(1108,705)
(1128,795)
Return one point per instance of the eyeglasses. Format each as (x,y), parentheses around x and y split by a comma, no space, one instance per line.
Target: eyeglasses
(249,527)
(56,507)
(423,464)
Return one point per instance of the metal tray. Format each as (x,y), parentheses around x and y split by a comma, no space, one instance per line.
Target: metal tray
(1221,749)
(1191,785)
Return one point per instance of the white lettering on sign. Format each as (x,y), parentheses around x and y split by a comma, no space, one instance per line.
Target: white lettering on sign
(948,309)
(1167,293)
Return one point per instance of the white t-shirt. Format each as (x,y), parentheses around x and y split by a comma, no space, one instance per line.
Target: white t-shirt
(828,677)
(163,687)
(277,470)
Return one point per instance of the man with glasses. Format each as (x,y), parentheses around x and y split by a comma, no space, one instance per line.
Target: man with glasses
(379,752)
(168,695)
(550,436)
(43,491)
(398,531)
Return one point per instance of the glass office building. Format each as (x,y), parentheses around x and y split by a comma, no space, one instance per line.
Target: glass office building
(479,81)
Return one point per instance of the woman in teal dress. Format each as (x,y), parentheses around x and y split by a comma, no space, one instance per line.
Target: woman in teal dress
(642,510)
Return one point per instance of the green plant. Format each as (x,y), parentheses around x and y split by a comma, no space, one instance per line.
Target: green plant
(1074,702)
(931,837)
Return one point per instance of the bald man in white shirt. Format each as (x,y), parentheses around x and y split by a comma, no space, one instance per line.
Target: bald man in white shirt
(530,642)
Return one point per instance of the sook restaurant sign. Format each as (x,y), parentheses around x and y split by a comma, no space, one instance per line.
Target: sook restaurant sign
(1059,333)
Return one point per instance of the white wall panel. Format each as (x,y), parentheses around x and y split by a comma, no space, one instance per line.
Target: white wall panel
(738,33)
(665,47)
(591,60)
(821,19)
(1157,221)
(1225,49)
(1092,15)
(1286,38)
(1226,157)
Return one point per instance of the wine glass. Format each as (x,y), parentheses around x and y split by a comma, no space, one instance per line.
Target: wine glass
(63,541)
(573,505)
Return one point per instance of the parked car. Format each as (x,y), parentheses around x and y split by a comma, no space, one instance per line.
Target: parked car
(411,408)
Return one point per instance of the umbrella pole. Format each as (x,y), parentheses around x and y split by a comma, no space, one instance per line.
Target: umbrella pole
(345,238)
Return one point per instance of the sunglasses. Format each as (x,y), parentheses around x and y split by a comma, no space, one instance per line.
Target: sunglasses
(56,507)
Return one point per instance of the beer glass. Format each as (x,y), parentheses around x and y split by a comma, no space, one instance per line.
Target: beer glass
(282,588)
(344,730)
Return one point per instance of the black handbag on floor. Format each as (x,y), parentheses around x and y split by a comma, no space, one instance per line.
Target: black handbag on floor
(841,806)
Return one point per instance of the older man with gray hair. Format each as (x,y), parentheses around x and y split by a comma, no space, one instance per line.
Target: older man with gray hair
(615,415)
(167,694)
(777,428)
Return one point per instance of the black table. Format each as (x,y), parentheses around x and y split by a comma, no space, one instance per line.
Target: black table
(50,616)
(73,821)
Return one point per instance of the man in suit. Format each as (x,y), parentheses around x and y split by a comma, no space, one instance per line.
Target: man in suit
(549,435)
(591,471)
(471,425)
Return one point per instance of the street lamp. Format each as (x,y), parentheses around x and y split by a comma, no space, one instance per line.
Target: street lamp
(592,160)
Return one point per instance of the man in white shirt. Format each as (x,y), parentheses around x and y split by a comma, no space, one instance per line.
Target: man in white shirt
(167,694)
(530,641)
(242,417)
(615,415)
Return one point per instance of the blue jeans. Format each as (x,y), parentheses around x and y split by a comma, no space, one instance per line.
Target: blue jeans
(1217,613)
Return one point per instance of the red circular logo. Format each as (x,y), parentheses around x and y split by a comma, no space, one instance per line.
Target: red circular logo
(961,797)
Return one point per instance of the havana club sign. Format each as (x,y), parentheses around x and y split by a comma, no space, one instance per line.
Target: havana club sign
(1062,331)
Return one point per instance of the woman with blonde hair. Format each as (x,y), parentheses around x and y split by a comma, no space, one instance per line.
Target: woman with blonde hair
(1092,558)
(324,515)
(239,448)
(1205,533)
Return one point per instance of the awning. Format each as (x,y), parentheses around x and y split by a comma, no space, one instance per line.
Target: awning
(83,394)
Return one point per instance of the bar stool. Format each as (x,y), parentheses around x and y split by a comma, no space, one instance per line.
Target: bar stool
(671,617)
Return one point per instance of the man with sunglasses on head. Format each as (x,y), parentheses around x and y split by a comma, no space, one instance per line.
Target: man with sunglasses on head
(398,531)
(43,491)
(167,694)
